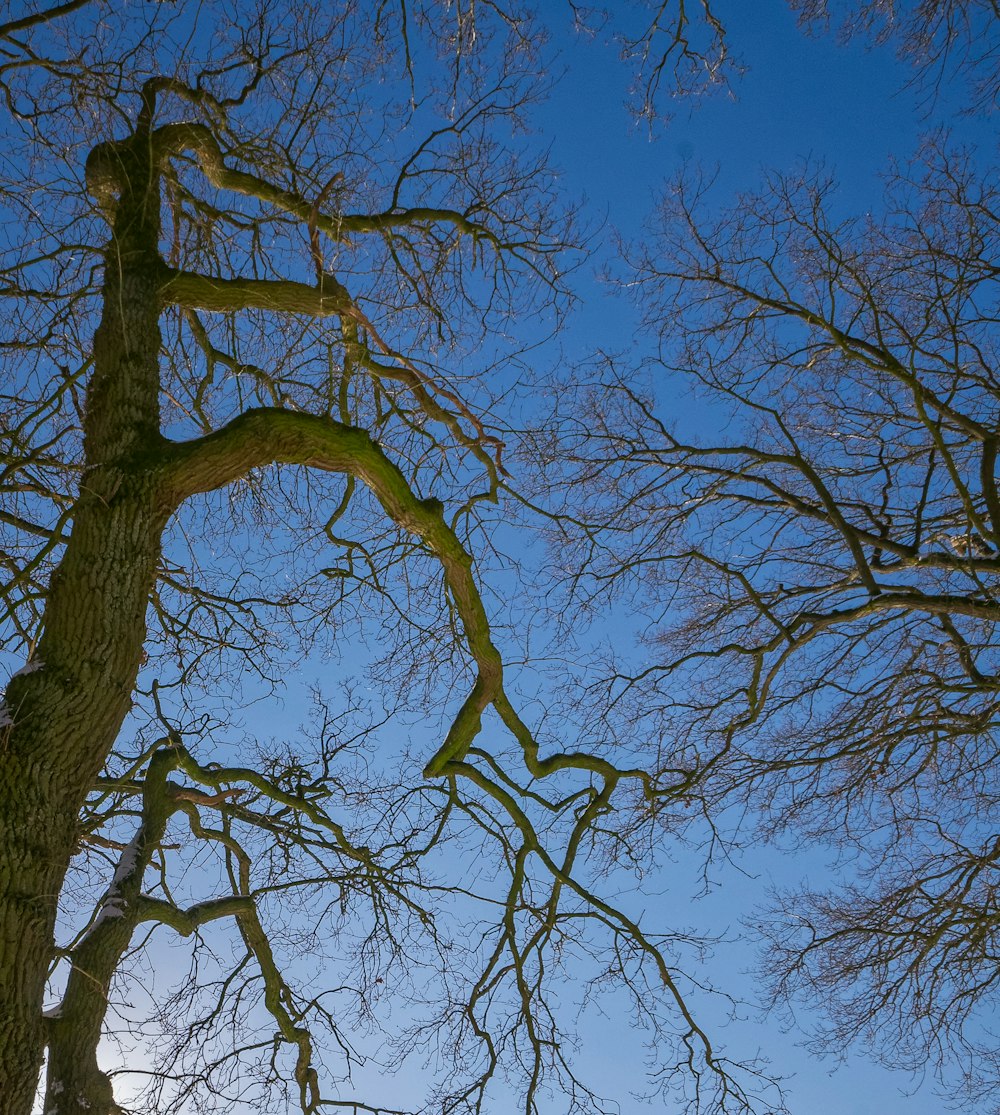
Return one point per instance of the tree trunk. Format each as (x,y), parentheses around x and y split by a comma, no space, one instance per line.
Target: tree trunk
(62,716)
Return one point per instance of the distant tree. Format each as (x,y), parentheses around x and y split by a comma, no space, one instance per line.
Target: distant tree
(246,251)
(820,587)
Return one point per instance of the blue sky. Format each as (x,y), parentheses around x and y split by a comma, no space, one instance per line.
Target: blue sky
(801,98)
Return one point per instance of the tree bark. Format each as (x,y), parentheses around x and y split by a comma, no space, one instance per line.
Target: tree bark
(62,715)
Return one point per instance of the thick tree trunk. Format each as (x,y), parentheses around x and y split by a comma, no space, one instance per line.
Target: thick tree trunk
(66,716)
(75,1081)
(61,717)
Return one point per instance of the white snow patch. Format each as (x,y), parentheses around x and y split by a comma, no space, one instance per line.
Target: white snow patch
(110,908)
(126,865)
(111,905)
(30,667)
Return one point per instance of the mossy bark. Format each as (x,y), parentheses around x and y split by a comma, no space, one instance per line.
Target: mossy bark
(62,717)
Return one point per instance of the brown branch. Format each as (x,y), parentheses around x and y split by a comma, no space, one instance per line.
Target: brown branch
(273,436)
(46,16)
(222,295)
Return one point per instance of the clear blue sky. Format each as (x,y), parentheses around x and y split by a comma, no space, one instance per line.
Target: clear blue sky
(802,98)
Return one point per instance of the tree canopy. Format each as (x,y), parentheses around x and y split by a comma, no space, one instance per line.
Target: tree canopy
(281,285)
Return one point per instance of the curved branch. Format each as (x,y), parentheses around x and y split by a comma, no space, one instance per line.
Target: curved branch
(274,436)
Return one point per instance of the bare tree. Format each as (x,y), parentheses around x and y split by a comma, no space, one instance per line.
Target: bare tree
(259,267)
(820,586)
(256,267)
(676,47)
(943,41)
